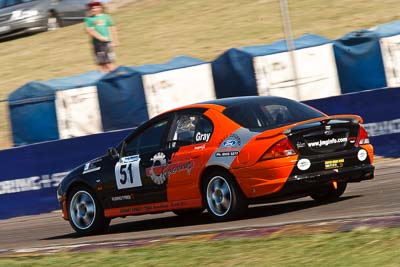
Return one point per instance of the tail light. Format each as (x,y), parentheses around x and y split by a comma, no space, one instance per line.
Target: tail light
(280,149)
(363,138)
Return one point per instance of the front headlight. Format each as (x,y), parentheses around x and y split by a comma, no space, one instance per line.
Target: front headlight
(23,14)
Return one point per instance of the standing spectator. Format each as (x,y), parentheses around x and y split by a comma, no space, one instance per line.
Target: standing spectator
(104,35)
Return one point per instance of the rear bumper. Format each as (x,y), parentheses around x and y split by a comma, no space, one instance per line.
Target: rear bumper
(349,175)
(303,185)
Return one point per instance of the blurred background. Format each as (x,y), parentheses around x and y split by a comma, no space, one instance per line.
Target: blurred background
(217,49)
(154,31)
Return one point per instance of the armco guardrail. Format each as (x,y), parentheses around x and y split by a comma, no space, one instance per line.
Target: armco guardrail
(29,175)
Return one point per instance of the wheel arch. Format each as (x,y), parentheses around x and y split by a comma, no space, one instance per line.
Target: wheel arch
(99,223)
(75,184)
(238,199)
(213,168)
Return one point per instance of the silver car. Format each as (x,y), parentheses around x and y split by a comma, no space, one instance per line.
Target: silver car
(28,16)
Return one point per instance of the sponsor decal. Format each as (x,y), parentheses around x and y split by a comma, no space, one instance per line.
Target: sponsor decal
(328,130)
(120,198)
(227,154)
(203,137)
(200,147)
(232,141)
(160,170)
(334,164)
(304,164)
(90,167)
(127,172)
(31,183)
(328,142)
(382,127)
(130,159)
(301,144)
(159,161)
(362,155)
(151,207)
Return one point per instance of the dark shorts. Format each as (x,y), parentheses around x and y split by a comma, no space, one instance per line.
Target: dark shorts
(104,53)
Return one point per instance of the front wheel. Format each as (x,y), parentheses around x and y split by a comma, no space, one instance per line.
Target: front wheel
(330,193)
(223,197)
(86,215)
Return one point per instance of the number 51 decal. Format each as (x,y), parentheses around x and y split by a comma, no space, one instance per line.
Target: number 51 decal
(127,172)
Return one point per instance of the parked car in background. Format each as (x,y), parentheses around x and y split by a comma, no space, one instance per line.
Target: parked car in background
(19,17)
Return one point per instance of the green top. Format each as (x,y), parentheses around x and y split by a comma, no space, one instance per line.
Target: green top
(100,24)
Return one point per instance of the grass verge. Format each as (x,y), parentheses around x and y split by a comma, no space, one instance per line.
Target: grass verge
(153,31)
(368,247)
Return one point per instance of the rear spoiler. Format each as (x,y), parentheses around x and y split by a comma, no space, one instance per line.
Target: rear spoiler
(329,120)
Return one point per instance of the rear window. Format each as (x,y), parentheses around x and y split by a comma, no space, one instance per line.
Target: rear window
(270,113)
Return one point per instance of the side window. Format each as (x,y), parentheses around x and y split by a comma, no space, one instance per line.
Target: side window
(204,130)
(190,129)
(131,147)
(151,138)
(184,129)
(244,115)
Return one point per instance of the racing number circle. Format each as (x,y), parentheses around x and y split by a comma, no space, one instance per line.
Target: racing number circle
(362,155)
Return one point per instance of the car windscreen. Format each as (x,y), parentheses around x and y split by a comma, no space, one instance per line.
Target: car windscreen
(8,3)
(271,113)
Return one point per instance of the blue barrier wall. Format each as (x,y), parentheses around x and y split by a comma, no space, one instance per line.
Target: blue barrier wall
(359,61)
(121,99)
(378,108)
(234,73)
(30,174)
(33,111)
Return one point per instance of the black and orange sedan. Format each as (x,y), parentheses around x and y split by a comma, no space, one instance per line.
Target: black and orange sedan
(220,155)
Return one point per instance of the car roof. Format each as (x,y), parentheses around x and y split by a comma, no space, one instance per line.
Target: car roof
(233,101)
(223,103)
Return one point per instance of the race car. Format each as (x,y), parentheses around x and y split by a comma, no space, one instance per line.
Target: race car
(221,155)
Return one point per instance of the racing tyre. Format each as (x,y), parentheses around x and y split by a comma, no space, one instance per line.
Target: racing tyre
(223,198)
(85,213)
(329,193)
(188,213)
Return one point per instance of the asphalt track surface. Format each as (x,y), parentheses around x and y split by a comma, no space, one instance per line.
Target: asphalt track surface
(377,197)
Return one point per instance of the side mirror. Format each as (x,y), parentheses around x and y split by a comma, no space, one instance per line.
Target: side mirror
(113,153)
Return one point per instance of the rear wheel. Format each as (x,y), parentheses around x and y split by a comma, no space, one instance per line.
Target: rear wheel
(86,215)
(329,193)
(223,197)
